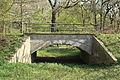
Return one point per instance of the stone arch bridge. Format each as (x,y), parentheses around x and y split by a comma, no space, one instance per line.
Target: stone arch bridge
(93,50)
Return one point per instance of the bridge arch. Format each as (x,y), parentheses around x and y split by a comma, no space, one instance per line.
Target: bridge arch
(80,45)
(93,50)
(82,42)
(57,53)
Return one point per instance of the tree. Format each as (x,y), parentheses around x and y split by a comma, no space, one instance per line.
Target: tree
(94,4)
(108,6)
(57,6)
(105,7)
(24,11)
(5,6)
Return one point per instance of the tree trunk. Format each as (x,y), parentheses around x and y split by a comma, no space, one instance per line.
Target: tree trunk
(119,11)
(53,21)
(104,19)
(3,26)
(42,10)
(95,20)
(94,13)
(21,25)
(111,20)
(101,15)
(119,20)
(21,14)
(83,19)
(101,25)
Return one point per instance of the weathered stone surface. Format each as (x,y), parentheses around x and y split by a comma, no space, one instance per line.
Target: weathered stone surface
(82,41)
(100,54)
(23,54)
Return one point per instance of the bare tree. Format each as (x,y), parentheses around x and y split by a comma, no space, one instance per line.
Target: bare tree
(105,7)
(57,6)
(108,6)
(93,9)
(4,9)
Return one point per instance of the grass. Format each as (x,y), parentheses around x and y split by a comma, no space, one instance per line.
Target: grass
(57,71)
(112,42)
(54,71)
(57,51)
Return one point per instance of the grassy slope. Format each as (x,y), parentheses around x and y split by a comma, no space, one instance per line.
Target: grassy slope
(112,42)
(54,71)
(8,46)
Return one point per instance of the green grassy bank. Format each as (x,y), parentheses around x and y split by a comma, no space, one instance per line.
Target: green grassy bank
(8,46)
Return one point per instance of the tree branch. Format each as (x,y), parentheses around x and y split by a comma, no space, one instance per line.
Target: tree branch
(55,3)
(50,3)
(68,2)
(10,6)
(71,5)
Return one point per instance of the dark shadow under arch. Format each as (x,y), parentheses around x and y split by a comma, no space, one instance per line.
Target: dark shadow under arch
(59,59)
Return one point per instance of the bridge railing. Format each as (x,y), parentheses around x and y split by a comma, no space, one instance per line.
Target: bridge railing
(59,27)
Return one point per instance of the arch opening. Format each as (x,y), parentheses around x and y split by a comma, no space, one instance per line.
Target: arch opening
(58,54)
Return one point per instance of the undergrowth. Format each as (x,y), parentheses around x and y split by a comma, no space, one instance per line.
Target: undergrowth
(8,46)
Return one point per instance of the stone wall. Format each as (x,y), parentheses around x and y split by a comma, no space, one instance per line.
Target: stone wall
(23,53)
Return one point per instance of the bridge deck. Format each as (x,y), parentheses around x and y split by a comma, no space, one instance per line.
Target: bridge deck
(56,34)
